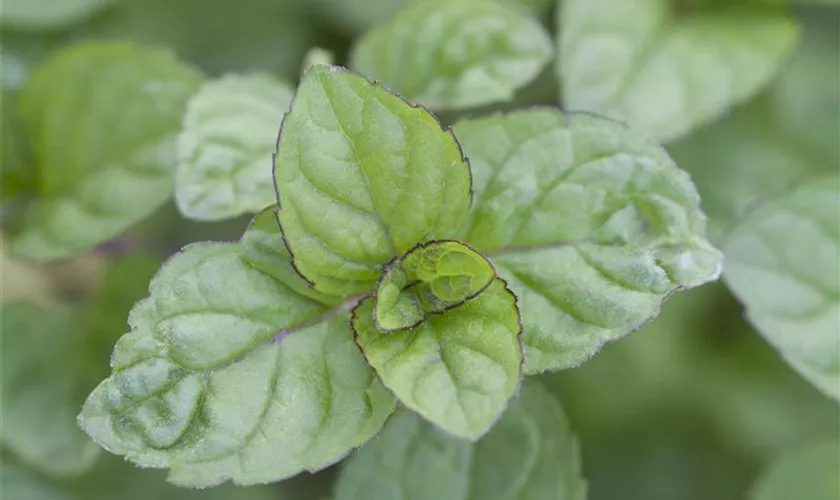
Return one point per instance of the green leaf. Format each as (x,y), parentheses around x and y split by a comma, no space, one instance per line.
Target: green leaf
(264,249)
(42,366)
(44,14)
(782,263)
(772,144)
(529,454)
(317,56)
(52,357)
(102,167)
(211,406)
(453,54)
(667,72)
(592,226)
(224,151)
(809,471)
(430,279)
(362,177)
(457,370)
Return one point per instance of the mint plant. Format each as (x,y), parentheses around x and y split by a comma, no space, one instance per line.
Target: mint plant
(371,196)
(386,257)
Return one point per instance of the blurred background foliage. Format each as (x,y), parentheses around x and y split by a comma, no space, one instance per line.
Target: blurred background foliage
(693,406)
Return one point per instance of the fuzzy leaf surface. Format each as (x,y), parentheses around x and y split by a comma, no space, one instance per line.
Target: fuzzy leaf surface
(225,148)
(592,225)
(204,386)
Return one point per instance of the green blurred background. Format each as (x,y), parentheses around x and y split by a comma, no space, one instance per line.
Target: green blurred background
(693,406)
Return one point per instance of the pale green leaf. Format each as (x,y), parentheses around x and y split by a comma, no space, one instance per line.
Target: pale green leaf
(452,54)
(429,279)
(592,226)
(809,471)
(363,177)
(530,454)
(666,72)
(457,370)
(765,148)
(42,384)
(317,56)
(209,382)
(102,120)
(43,14)
(783,263)
(224,150)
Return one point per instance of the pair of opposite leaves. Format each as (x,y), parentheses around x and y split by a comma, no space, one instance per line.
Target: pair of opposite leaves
(591,225)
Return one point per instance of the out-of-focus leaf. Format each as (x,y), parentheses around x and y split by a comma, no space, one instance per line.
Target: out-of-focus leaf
(529,454)
(317,55)
(102,120)
(591,224)
(113,478)
(204,385)
(16,168)
(43,366)
(18,483)
(762,150)
(52,357)
(665,72)
(126,281)
(43,14)
(224,150)
(452,54)
(354,16)
(809,471)
(362,177)
(458,369)
(220,36)
(783,263)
